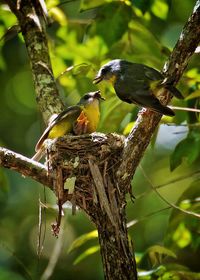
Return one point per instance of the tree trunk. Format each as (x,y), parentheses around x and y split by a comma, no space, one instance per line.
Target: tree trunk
(116,253)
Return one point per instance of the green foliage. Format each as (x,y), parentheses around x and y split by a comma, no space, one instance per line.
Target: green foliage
(82,239)
(188,148)
(85,34)
(111,29)
(90,251)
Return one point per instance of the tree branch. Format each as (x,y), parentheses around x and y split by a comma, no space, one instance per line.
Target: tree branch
(33,30)
(146,123)
(25,166)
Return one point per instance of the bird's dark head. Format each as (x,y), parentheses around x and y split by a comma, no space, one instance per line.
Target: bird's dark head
(109,71)
(90,97)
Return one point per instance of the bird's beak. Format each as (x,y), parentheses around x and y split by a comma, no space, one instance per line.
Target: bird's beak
(97,79)
(98,95)
(102,98)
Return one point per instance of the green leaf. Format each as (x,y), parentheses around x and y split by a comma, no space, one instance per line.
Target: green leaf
(111,28)
(188,148)
(161,250)
(11,33)
(86,253)
(156,253)
(193,95)
(70,184)
(58,15)
(160,9)
(88,4)
(128,128)
(143,5)
(182,236)
(82,239)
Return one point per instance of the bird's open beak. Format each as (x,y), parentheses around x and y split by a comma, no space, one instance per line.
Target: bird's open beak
(98,95)
(97,79)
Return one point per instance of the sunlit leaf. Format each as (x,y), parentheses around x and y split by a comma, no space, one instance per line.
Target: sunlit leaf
(58,15)
(160,9)
(185,204)
(82,239)
(193,73)
(128,128)
(193,95)
(70,184)
(87,253)
(143,5)
(88,4)
(156,253)
(52,3)
(182,236)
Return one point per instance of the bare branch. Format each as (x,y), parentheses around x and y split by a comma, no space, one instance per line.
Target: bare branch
(140,136)
(25,166)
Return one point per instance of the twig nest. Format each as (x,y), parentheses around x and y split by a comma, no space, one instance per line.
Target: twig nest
(84,164)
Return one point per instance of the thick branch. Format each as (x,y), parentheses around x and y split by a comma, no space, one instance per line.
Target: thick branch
(25,167)
(32,27)
(146,123)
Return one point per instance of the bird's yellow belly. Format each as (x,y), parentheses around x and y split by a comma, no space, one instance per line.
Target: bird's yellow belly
(60,129)
(92,113)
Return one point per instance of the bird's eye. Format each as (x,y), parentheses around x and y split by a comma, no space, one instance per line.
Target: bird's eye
(103,71)
(86,97)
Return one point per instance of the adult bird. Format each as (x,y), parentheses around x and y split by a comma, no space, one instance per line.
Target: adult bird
(78,119)
(137,83)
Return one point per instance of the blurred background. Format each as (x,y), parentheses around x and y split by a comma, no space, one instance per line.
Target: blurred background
(86,34)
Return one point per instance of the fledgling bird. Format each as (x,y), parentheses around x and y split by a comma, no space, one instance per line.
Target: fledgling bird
(137,83)
(78,119)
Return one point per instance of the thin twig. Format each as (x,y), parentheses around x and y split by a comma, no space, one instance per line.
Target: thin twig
(165,200)
(185,109)
(136,221)
(54,256)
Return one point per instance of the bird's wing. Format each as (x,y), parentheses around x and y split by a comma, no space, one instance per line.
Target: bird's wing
(141,72)
(69,112)
(148,100)
(152,74)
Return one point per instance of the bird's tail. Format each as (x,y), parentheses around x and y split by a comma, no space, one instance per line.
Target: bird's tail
(174,91)
(164,110)
(39,154)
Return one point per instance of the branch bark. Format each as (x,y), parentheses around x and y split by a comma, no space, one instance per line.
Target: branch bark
(106,207)
(146,123)
(33,29)
(25,167)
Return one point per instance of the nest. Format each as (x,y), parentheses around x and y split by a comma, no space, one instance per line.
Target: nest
(84,168)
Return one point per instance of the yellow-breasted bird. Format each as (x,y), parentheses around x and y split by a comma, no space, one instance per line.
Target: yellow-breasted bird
(137,83)
(78,119)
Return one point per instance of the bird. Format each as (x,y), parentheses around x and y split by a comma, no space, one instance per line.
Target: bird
(137,83)
(77,119)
